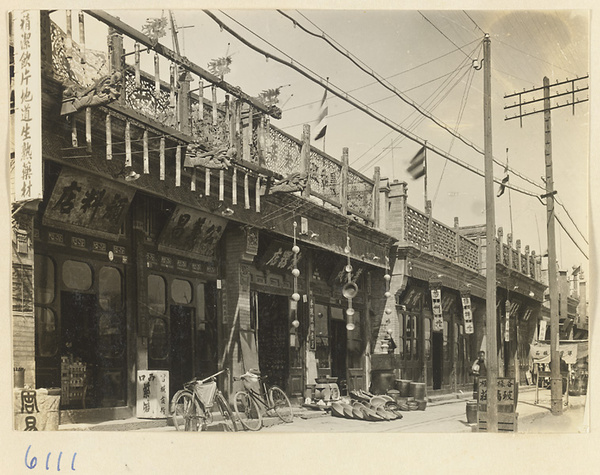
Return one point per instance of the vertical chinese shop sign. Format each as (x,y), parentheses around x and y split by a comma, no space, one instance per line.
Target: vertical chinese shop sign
(28,106)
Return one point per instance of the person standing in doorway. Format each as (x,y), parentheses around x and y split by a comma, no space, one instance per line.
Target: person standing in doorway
(478,370)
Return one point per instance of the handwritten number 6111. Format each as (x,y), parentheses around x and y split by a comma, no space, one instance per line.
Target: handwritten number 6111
(31,463)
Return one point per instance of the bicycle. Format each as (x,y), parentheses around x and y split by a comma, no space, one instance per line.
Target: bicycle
(246,402)
(191,406)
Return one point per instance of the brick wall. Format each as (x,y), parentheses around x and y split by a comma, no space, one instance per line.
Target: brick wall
(23,322)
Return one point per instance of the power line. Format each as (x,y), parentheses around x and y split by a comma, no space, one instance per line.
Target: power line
(571,237)
(388,77)
(572,221)
(371,72)
(532,56)
(374,102)
(443,34)
(366,109)
(469,16)
(368,70)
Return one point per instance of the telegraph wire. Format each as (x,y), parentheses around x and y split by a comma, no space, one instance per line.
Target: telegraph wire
(388,77)
(572,221)
(469,16)
(444,35)
(344,95)
(570,237)
(366,69)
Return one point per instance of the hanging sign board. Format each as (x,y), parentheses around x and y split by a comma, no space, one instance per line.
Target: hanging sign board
(507,321)
(27,130)
(436,309)
(192,230)
(467,315)
(88,202)
(542,332)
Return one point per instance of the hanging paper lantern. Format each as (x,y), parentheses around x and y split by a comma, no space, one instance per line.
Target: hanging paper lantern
(387,277)
(295,272)
(295,249)
(295,323)
(387,294)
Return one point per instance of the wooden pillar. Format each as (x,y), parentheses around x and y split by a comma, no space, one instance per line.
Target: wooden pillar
(509,243)
(183,102)
(519,257)
(234,187)
(246,192)
(136,65)
(376,205)
(457,254)
(82,36)
(430,236)
(69,38)
(500,244)
(305,158)
(156,74)
(246,132)
(527,262)
(344,182)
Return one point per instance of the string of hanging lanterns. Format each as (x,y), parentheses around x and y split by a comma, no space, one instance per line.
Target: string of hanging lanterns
(295,274)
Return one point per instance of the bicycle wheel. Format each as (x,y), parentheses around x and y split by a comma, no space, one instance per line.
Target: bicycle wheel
(186,412)
(281,404)
(247,411)
(228,420)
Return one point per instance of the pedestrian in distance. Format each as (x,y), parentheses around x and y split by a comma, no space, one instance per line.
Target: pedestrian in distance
(478,370)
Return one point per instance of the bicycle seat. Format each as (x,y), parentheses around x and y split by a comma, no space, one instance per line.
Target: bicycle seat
(249,376)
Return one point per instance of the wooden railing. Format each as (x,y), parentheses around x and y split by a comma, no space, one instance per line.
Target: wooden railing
(447,242)
(206,110)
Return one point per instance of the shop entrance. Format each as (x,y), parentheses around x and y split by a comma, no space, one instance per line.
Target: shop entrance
(94,336)
(181,347)
(437,357)
(273,336)
(339,337)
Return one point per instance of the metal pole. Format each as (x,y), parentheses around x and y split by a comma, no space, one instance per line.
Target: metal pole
(490,221)
(555,378)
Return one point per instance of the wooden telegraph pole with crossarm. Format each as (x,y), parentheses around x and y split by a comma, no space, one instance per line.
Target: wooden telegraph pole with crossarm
(525,100)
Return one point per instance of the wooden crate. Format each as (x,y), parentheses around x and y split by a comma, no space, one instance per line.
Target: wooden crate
(507,421)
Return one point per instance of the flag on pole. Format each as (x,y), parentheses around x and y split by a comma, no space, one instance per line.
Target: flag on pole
(504,182)
(321,122)
(416,168)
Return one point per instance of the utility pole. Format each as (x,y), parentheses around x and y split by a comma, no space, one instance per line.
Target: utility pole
(556,405)
(490,252)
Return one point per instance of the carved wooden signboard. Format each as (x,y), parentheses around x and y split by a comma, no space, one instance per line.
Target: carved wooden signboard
(194,231)
(88,202)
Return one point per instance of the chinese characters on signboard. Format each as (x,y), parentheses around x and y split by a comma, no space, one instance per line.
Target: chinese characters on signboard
(28,106)
(152,394)
(89,202)
(467,315)
(505,391)
(436,309)
(194,231)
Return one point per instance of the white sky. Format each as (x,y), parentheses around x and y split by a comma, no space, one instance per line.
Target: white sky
(407,48)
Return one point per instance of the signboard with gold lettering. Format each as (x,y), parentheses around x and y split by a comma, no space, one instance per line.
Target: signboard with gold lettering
(191,230)
(88,202)
(27,173)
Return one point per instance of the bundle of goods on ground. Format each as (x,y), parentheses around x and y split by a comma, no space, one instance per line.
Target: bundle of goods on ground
(363,405)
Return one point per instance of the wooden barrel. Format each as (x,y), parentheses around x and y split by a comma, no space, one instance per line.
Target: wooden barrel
(417,390)
(403,386)
(471,412)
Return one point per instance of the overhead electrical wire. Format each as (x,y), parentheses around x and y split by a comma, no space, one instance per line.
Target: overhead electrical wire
(304,71)
(443,34)
(370,103)
(570,237)
(368,70)
(433,101)
(572,220)
(469,16)
(388,77)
